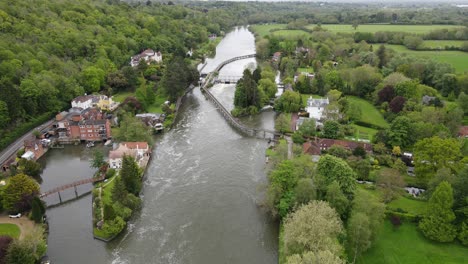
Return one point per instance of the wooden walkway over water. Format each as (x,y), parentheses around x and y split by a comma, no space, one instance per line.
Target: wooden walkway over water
(210,79)
(71,185)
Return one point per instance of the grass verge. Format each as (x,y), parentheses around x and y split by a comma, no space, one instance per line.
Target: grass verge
(10,230)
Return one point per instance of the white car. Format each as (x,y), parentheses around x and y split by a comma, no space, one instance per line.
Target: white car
(15,216)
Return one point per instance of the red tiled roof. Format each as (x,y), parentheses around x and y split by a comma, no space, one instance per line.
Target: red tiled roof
(311,148)
(463,131)
(135,145)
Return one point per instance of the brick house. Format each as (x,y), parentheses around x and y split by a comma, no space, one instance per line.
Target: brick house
(323,144)
(88,125)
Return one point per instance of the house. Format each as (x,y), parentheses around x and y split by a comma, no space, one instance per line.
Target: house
(153,120)
(315,107)
(147,55)
(103,102)
(33,149)
(323,144)
(85,101)
(427,100)
(300,121)
(140,151)
(212,37)
(463,132)
(276,56)
(87,125)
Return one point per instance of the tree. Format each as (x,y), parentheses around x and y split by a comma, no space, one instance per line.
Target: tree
(282,123)
(310,257)
(280,194)
(386,94)
(289,102)
(437,222)
(400,132)
(92,79)
(313,227)
(339,151)
(382,55)
(397,104)
(355,25)
(391,183)
(4,115)
(247,93)
(462,101)
(38,210)
(132,129)
(354,112)
(337,199)
(118,192)
(331,129)
(30,167)
(305,191)
(359,235)
(131,175)
(433,153)
(412,42)
(331,168)
(308,127)
(177,77)
(28,250)
(98,160)
(19,186)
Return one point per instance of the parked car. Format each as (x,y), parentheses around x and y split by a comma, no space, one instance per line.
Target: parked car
(15,216)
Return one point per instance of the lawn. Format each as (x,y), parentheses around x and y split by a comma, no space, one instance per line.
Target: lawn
(434,44)
(372,28)
(407,245)
(308,70)
(264,30)
(414,207)
(458,59)
(290,33)
(120,97)
(370,115)
(10,230)
(364,132)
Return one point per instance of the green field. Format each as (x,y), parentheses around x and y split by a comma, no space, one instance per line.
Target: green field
(441,44)
(293,33)
(407,245)
(364,132)
(10,230)
(263,30)
(414,207)
(458,59)
(370,114)
(154,108)
(308,70)
(372,28)
(120,97)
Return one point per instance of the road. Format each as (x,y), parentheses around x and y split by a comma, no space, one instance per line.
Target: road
(15,146)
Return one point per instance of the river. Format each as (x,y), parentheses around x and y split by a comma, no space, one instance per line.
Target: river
(201,192)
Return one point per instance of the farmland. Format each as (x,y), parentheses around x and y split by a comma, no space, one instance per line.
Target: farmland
(458,59)
(372,28)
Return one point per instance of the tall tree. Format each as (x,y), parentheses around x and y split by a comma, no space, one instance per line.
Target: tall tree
(19,186)
(331,168)
(359,235)
(382,55)
(118,192)
(337,199)
(282,123)
(391,182)
(313,227)
(430,154)
(131,175)
(437,223)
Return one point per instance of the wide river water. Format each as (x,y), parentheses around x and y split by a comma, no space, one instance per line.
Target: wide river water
(201,194)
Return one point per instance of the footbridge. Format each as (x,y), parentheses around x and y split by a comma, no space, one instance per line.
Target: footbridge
(210,79)
(71,185)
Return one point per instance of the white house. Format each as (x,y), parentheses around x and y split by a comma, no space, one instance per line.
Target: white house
(148,55)
(315,107)
(85,101)
(138,150)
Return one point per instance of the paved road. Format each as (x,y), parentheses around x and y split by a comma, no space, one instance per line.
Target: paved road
(15,146)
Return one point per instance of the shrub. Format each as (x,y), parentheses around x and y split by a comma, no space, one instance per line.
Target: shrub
(113,227)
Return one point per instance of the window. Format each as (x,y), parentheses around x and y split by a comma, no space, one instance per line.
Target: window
(90,130)
(82,126)
(90,135)
(83,135)
(88,126)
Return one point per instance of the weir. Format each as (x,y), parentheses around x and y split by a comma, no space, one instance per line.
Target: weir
(211,79)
